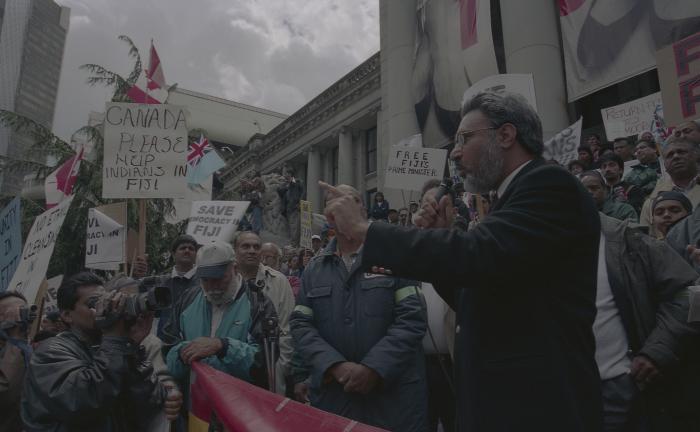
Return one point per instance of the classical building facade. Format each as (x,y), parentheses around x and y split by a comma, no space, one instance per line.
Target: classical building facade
(32,41)
(332,138)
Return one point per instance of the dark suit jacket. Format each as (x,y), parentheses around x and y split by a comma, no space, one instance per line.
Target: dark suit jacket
(523,283)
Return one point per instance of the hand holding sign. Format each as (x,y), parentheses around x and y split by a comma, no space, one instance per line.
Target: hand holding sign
(345,213)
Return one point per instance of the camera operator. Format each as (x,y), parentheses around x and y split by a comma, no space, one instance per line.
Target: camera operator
(14,356)
(94,376)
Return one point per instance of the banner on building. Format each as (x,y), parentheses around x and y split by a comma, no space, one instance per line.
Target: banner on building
(679,76)
(10,241)
(38,249)
(410,168)
(215,220)
(633,118)
(453,49)
(563,147)
(51,297)
(608,41)
(523,84)
(222,402)
(145,151)
(105,244)
(306,221)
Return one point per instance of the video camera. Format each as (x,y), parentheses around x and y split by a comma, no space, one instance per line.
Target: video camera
(156,298)
(27,315)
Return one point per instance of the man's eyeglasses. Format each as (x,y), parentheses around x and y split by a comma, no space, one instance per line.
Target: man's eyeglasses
(463,137)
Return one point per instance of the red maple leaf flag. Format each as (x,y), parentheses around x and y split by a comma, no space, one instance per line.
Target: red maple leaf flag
(59,184)
(154,74)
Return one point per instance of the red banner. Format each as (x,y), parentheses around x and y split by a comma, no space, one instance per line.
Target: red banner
(232,405)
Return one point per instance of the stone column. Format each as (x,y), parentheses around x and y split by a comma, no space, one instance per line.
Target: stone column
(313,175)
(346,158)
(537,51)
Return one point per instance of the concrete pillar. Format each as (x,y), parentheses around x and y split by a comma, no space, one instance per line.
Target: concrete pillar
(537,50)
(397,119)
(313,175)
(346,158)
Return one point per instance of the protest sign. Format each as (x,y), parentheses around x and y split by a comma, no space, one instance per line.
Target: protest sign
(410,168)
(679,76)
(145,151)
(523,84)
(563,147)
(10,242)
(632,118)
(105,242)
(306,222)
(215,220)
(51,297)
(38,249)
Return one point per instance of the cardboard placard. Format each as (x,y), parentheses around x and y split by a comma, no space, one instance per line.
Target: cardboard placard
(145,151)
(215,220)
(10,241)
(563,147)
(105,242)
(410,168)
(633,118)
(679,75)
(306,222)
(38,249)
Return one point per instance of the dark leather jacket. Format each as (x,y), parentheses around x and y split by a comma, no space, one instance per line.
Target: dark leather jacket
(71,386)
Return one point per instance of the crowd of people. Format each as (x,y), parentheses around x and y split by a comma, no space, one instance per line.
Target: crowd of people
(549,301)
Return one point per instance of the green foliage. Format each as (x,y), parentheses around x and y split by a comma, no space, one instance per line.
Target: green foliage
(69,252)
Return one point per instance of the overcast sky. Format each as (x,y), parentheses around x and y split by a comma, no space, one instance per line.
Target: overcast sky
(274,54)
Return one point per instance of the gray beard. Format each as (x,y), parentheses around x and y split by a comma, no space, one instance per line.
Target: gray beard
(488,171)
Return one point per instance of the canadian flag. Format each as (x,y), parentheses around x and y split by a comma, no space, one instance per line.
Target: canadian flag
(153,80)
(59,184)
(154,74)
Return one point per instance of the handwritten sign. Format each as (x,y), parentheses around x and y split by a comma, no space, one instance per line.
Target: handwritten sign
(215,220)
(632,118)
(563,147)
(306,221)
(145,151)
(51,297)
(38,249)
(410,168)
(105,242)
(10,241)
(679,75)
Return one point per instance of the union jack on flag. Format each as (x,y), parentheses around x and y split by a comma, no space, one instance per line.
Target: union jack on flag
(198,150)
(202,161)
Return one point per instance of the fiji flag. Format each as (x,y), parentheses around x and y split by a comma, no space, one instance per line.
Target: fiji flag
(202,161)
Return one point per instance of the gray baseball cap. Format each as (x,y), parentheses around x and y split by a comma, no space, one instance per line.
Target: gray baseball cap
(213,259)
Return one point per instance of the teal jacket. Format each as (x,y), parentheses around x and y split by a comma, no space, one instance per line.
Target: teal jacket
(240,325)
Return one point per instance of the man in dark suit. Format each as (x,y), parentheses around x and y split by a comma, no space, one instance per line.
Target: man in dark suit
(523,281)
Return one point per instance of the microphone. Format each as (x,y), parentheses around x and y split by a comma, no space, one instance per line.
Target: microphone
(443,189)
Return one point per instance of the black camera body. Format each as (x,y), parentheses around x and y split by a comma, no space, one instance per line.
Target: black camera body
(135,305)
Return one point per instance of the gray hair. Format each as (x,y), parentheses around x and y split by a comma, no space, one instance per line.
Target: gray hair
(505,107)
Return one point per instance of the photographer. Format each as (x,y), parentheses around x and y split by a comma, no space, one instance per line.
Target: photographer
(94,376)
(14,356)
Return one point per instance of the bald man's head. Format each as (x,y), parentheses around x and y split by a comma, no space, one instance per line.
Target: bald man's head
(271,255)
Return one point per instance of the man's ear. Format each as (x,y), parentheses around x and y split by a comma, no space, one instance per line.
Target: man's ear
(507,136)
(67,317)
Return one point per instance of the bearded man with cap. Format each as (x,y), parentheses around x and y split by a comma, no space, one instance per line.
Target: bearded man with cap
(221,323)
